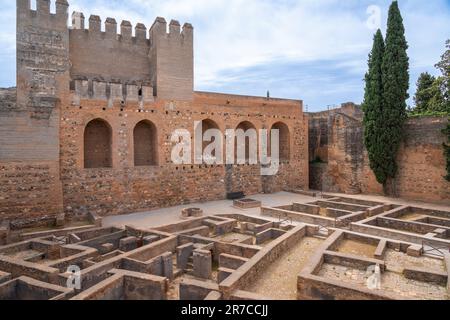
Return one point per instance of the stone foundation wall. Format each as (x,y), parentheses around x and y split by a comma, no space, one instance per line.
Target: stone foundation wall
(317,175)
(30,189)
(422,165)
(35,190)
(347,170)
(125,188)
(65,81)
(30,192)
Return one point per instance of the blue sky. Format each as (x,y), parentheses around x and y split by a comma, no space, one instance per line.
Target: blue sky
(314,50)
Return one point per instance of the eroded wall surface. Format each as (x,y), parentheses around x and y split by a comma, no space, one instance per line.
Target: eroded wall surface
(336,137)
(70,76)
(127,188)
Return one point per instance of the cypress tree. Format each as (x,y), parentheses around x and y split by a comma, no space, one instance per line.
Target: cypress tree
(395,75)
(373,107)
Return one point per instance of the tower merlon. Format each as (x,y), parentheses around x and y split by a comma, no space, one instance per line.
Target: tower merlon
(62,7)
(78,20)
(111,28)
(141,31)
(43,7)
(42,12)
(174,28)
(159,27)
(188,31)
(23,6)
(95,24)
(126,30)
(23,10)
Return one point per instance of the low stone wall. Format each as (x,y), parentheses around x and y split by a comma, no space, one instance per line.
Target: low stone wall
(231,262)
(439,278)
(365,227)
(196,290)
(297,216)
(249,272)
(126,285)
(25,288)
(30,193)
(315,288)
(19,268)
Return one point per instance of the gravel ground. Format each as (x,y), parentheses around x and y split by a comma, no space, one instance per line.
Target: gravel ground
(279,280)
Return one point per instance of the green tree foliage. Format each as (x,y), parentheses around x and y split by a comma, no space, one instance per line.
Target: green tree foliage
(424,92)
(444,66)
(387,84)
(395,76)
(373,108)
(435,97)
(438,102)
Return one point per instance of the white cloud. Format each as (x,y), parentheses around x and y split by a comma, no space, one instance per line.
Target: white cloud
(234,35)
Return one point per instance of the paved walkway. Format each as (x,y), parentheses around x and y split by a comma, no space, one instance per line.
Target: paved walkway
(161,217)
(420,204)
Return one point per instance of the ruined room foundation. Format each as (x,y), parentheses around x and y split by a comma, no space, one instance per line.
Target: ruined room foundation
(328,247)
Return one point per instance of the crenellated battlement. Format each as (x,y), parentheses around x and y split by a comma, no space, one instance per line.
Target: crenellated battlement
(116,52)
(125,33)
(42,15)
(172,78)
(159,30)
(42,56)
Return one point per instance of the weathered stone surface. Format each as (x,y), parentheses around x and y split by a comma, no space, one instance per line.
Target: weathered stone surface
(336,139)
(66,78)
(415,250)
(128,244)
(202,264)
(184,252)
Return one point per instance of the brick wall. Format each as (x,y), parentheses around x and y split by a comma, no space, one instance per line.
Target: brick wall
(68,77)
(125,188)
(29,116)
(29,191)
(421,162)
(339,135)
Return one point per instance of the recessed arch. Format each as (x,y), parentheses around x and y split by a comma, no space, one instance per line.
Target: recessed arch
(145,144)
(97,144)
(250,141)
(208,124)
(285,141)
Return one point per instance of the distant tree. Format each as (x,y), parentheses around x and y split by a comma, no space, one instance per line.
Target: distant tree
(433,94)
(438,102)
(373,108)
(395,75)
(444,85)
(444,66)
(424,92)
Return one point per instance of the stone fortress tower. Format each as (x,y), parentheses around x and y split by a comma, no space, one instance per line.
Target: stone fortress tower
(88,128)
